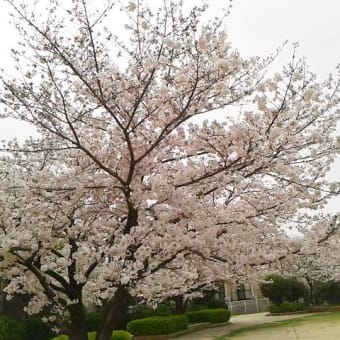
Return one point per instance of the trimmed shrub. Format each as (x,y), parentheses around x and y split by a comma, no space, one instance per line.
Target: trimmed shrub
(143,311)
(36,329)
(158,325)
(116,335)
(288,307)
(61,337)
(10,329)
(218,315)
(121,335)
(91,335)
(193,307)
(93,321)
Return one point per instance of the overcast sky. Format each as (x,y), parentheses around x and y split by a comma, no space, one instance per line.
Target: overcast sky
(255,27)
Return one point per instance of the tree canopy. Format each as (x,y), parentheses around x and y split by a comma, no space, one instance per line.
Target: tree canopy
(124,192)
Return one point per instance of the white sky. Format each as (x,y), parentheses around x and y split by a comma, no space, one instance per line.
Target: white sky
(255,27)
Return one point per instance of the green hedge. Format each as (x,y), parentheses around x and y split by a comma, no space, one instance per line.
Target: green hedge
(288,307)
(158,325)
(11,330)
(36,329)
(61,337)
(143,311)
(30,329)
(92,321)
(218,315)
(121,335)
(116,335)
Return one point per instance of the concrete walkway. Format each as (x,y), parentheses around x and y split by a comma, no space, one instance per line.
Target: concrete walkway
(236,322)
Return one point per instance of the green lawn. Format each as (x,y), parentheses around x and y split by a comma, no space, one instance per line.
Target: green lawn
(314,327)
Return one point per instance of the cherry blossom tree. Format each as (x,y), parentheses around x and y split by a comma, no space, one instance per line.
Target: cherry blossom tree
(317,256)
(126,190)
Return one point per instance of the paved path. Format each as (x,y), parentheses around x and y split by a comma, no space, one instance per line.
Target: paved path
(236,322)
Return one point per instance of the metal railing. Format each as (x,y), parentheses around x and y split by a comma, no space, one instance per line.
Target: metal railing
(248,306)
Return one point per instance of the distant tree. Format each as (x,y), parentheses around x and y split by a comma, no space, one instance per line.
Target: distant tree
(328,292)
(280,289)
(314,266)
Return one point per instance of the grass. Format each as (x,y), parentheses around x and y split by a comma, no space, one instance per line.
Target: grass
(316,318)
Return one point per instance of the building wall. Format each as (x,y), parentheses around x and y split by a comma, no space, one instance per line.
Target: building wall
(233,292)
(245,301)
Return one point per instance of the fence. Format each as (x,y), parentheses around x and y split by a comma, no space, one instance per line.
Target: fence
(248,306)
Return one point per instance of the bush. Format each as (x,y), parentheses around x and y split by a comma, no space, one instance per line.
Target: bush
(143,311)
(209,315)
(92,321)
(116,335)
(210,300)
(10,329)
(121,335)
(279,289)
(193,307)
(288,307)
(91,335)
(36,329)
(158,325)
(61,337)
(328,292)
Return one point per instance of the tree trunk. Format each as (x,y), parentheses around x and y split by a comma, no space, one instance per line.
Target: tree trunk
(77,329)
(112,311)
(180,304)
(311,291)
